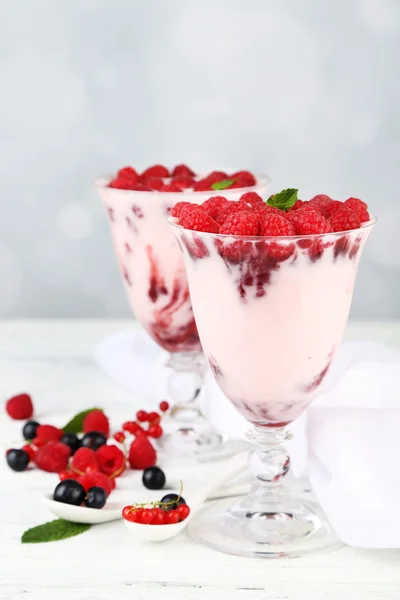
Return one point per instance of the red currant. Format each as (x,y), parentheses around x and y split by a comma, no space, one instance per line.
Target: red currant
(158,516)
(140,431)
(127,513)
(29,450)
(155,431)
(119,437)
(141,416)
(153,417)
(164,406)
(147,516)
(91,469)
(127,426)
(172,516)
(183,511)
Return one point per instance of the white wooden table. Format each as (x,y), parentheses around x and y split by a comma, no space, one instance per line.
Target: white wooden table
(52,361)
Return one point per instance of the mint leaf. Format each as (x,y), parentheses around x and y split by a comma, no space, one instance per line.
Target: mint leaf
(75,425)
(284,199)
(223,184)
(53,531)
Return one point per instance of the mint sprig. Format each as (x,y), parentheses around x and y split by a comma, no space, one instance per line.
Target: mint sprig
(75,425)
(53,531)
(284,199)
(223,184)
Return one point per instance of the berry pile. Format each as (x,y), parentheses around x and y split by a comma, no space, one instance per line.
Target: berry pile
(73,492)
(171,509)
(159,178)
(282,215)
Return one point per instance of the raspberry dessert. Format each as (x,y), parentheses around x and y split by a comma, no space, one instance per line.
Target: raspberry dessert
(151,263)
(271,288)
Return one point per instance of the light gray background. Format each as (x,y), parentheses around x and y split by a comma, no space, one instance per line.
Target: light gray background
(306,90)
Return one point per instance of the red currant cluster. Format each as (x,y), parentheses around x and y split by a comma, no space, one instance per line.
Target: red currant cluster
(143,418)
(171,509)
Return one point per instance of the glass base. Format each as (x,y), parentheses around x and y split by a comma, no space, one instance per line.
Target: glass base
(287,529)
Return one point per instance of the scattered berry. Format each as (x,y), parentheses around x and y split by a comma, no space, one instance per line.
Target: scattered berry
(344,219)
(69,492)
(131,427)
(96,421)
(72,440)
(153,478)
(30,452)
(63,475)
(164,406)
(172,501)
(153,417)
(142,454)
(49,433)
(52,457)
(198,220)
(155,431)
(242,223)
(29,430)
(84,458)
(20,407)
(96,497)
(17,459)
(93,440)
(119,437)
(89,480)
(359,207)
(142,416)
(38,443)
(272,224)
(111,460)
(309,222)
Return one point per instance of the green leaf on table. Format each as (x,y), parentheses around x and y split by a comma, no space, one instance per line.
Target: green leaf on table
(284,199)
(53,531)
(75,425)
(223,184)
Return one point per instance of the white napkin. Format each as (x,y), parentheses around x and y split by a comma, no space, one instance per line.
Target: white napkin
(347,442)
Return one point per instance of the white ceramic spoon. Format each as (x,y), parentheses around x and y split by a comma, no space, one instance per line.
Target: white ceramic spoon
(80,514)
(161,533)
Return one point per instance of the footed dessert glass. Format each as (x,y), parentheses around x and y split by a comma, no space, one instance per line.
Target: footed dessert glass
(155,281)
(270,312)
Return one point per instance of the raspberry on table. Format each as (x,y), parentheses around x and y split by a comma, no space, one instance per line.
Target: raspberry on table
(214,205)
(241,223)
(310,222)
(84,458)
(182,170)
(272,224)
(141,453)
(96,421)
(96,479)
(198,220)
(52,457)
(344,219)
(49,433)
(111,460)
(359,207)
(20,407)
(154,171)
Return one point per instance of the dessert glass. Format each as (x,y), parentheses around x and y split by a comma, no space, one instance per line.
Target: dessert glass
(154,278)
(270,312)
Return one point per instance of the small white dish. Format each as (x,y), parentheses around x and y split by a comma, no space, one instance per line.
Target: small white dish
(80,514)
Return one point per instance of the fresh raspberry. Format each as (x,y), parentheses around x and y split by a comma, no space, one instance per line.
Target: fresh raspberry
(272,224)
(321,203)
(183,181)
(359,207)
(126,179)
(141,453)
(170,187)
(155,183)
(49,433)
(93,479)
(182,170)
(154,171)
(53,457)
(216,176)
(198,220)
(244,178)
(202,185)
(344,219)
(30,451)
(214,205)
(241,223)
(20,407)
(96,421)
(84,458)
(309,222)
(63,475)
(164,406)
(298,204)
(176,210)
(128,173)
(270,209)
(230,209)
(111,460)
(252,199)
(332,207)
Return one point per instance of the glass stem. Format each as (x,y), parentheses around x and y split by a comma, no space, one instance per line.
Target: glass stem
(185,382)
(269,463)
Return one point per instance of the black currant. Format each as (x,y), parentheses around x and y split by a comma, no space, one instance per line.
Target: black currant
(72,440)
(170,498)
(153,478)
(17,460)
(69,491)
(93,440)
(96,497)
(29,430)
